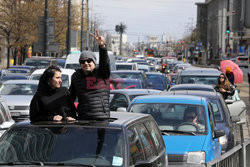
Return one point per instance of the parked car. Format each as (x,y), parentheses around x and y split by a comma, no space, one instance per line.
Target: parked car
(66,76)
(158,80)
(125,83)
(125,140)
(6,120)
(132,75)
(223,119)
(121,98)
(201,87)
(187,144)
(18,95)
(198,76)
(38,61)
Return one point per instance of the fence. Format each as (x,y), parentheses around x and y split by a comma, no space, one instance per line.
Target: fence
(239,156)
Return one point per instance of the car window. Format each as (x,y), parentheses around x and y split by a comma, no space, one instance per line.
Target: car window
(135,146)
(118,100)
(85,145)
(210,80)
(156,136)
(170,116)
(148,146)
(18,89)
(218,113)
(5,111)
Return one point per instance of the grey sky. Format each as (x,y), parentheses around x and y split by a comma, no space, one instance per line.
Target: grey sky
(147,17)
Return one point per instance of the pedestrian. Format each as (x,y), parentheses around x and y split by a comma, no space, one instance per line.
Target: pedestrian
(90,84)
(224,86)
(230,75)
(52,102)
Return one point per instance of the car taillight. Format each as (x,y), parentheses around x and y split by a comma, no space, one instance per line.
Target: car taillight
(248,60)
(237,59)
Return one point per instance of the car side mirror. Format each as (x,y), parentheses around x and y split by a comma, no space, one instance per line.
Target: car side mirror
(218,133)
(228,101)
(121,109)
(235,119)
(143,164)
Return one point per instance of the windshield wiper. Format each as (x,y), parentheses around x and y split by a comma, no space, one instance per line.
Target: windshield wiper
(164,132)
(67,164)
(23,163)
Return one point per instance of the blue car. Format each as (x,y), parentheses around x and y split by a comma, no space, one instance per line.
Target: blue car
(187,124)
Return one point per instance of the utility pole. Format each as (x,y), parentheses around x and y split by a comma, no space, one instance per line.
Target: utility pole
(69,28)
(46,29)
(81,48)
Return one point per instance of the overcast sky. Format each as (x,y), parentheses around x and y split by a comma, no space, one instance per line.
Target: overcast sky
(147,17)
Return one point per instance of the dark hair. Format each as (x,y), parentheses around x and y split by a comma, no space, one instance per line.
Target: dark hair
(47,75)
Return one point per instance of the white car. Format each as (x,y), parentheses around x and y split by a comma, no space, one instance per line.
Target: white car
(5,118)
(236,106)
(66,76)
(18,95)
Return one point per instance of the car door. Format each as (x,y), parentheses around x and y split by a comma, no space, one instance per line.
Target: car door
(215,145)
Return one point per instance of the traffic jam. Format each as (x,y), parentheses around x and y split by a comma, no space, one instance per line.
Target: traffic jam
(125,83)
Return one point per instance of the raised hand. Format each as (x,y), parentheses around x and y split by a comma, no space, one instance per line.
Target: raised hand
(100,39)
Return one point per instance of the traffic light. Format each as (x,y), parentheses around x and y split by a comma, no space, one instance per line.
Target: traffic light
(181,41)
(166,41)
(228,30)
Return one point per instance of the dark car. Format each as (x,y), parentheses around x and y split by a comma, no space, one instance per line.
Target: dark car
(201,87)
(158,80)
(126,139)
(14,77)
(121,98)
(132,75)
(222,115)
(207,76)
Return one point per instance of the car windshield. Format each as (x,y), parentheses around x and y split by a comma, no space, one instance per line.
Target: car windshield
(157,82)
(63,145)
(127,75)
(73,66)
(38,63)
(175,117)
(121,84)
(124,67)
(209,80)
(18,89)
(65,79)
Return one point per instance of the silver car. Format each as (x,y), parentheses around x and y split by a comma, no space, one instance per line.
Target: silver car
(18,95)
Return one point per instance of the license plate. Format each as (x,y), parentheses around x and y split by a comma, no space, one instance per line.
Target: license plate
(15,114)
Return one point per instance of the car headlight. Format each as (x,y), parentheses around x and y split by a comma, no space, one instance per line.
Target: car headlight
(223,140)
(197,157)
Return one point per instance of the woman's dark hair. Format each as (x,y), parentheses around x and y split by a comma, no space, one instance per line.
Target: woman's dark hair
(47,76)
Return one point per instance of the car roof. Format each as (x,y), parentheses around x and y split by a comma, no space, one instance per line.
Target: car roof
(117,120)
(200,72)
(170,98)
(206,94)
(64,71)
(193,87)
(127,71)
(155,73)
(21,82)
(135,91)
(126,79)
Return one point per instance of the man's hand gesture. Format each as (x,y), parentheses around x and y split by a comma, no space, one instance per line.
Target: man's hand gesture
(100,39)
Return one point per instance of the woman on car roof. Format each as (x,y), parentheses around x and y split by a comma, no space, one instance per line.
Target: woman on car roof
(52,102)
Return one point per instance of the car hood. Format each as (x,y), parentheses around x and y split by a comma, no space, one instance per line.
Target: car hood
(17,100)
(182,144)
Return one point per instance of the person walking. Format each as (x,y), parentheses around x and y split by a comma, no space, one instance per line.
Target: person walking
(230,75)
(52,102)
(224,86)
(90,84)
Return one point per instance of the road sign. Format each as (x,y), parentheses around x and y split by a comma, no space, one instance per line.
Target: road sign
(51,30)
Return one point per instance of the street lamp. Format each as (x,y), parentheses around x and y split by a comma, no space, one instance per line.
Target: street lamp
(46,29)
(69,28)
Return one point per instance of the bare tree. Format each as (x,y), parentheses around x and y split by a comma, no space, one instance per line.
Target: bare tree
(120,29)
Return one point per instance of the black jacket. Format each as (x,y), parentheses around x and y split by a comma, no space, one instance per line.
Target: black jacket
(230,77)
(93,90)
(47,102)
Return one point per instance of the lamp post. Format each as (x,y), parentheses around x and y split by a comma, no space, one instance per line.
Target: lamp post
(81,48)
(69,28)
(46,29)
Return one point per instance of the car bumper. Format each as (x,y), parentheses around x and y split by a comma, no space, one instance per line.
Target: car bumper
(177,164)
